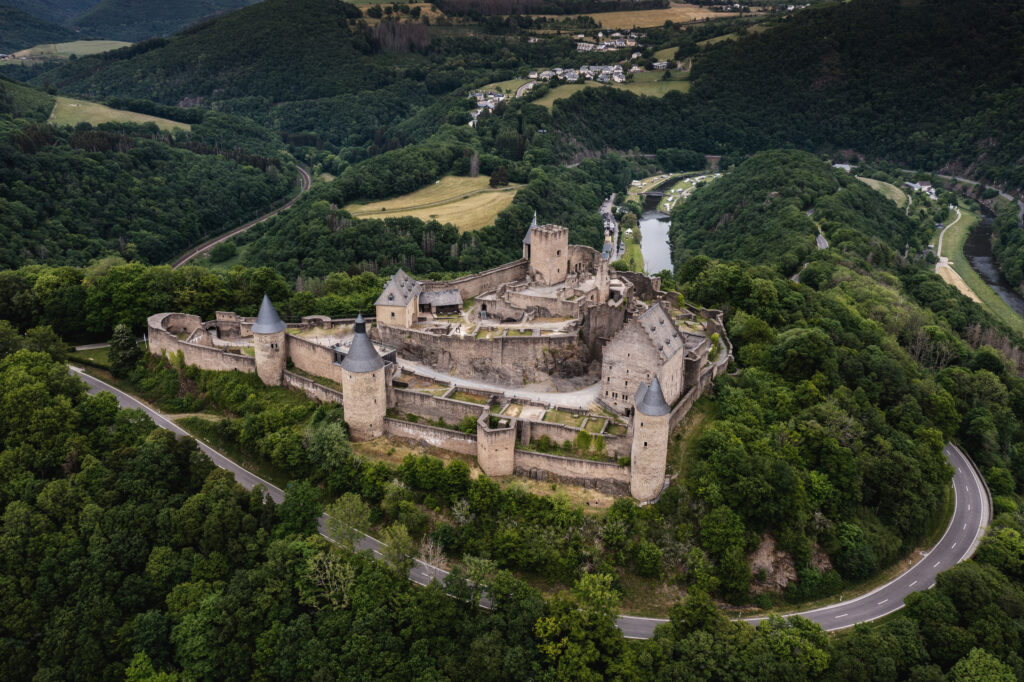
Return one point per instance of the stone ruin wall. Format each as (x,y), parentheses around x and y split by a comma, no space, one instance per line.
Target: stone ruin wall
(434,407)
(313,358)
(509,359)
(163,329)
(318,392)
(434,436)
(472,286)
(606,477)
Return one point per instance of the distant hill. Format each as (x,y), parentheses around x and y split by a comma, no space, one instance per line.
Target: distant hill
(135,20)
(53,11)
(19,30)
(933,85)
(769,209)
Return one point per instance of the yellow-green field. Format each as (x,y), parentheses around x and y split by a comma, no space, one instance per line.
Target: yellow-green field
(651,88)
(678,13)
(69,111)
(467,203)
(509,86)
(756,28)
(79,48)
(890,191)
(666,54)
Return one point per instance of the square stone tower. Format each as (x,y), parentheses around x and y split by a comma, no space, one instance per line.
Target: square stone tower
(549,253)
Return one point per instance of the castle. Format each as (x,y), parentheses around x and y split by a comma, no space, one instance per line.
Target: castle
(476,348)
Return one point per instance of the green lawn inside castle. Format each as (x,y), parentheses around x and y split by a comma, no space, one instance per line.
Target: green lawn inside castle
(553,367)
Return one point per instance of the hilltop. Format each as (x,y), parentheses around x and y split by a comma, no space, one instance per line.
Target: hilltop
(769,210)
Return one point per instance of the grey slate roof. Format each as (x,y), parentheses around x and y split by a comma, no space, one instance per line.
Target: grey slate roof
(661,329)
(268,321)
(529,230)
(399,290)
(444,297)
(362,356)
(651,401)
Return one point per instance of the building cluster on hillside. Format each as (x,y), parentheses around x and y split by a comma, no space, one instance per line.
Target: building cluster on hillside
(615,41)
(605,73)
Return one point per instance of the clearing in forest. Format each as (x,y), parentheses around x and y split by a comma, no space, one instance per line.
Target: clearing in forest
(467,203)
(68,111)
(641,86)
(890,191)
(647,18)
(79,48)
(508,87)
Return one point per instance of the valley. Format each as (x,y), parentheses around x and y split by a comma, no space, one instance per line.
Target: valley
(511,339)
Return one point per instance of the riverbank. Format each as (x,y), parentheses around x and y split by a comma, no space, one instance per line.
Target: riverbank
(952,248)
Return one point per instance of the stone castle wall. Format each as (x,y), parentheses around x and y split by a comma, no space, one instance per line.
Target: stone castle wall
(313,358)
(530,431)
(472,286)
(424,434)
(508,359)
(312,389)
(608,477)
(434,407)
(644,287)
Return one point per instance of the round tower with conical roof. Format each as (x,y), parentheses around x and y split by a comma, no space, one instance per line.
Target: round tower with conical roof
(269,341)
(364,387)
(649,453)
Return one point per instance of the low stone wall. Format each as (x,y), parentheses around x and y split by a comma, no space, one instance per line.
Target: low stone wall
(546,305)
(424,434)
(472,286)
(318,392)
(162,333)
(608,477)
(425,405)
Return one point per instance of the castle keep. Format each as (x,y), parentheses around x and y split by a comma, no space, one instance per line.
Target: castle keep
(569,370)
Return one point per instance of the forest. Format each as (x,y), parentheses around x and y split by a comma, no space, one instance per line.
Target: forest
(20,30)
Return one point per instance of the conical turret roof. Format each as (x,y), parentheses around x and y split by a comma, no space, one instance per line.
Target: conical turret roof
(362,356)
(651,401)
(268,321)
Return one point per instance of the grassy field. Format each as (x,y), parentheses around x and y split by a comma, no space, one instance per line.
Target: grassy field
(467,203)
(651,88)
(79,48)
(564,418)
(888,190)
(97,357)
(651,17)
(69,111)
(756,28)
(666,54)
(953,249)
(509,86)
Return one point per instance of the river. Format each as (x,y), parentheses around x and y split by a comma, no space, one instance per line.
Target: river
(654,244)
(978,251)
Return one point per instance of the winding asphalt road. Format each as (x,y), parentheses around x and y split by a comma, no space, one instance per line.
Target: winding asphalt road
(972,513)
(305,182)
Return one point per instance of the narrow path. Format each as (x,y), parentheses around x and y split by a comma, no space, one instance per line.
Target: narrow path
(971,515)
(945,270)
(305,182)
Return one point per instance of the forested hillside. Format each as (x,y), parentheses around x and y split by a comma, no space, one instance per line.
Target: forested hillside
(54,11)
(133,20)
(316,238)
(769,210)
(69,196)
(349,94)
(19,30)
(926,84)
